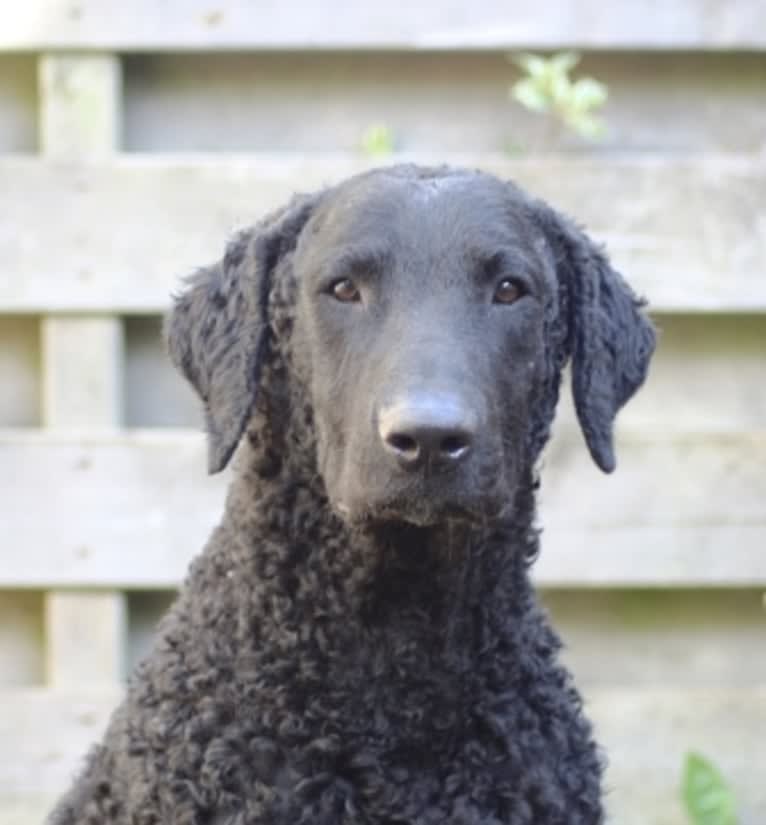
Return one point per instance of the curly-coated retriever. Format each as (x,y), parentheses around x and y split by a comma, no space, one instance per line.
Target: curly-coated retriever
(359,642)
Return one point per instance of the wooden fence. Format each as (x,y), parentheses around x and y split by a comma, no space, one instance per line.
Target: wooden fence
(135,136)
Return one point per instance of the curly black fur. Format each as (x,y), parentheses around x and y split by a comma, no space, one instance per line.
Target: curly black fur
(316,672)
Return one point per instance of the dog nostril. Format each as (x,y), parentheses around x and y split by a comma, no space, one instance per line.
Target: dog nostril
(432,431)
(454,446)
(403,444)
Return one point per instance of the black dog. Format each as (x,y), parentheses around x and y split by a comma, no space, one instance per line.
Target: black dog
(359,642)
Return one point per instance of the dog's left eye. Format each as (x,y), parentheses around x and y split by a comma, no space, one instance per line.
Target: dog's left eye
(345,291)
(508,291)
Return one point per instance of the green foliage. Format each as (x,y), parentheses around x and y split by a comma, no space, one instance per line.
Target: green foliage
(546,87)
(378,141)
(708,798)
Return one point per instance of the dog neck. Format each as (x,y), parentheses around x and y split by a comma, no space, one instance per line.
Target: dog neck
(436,587)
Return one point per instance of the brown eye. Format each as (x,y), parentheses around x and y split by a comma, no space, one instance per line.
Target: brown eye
(507,292)
(345,291)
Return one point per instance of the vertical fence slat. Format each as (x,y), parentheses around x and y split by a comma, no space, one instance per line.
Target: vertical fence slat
(85,633)
(82,379)
(80,104)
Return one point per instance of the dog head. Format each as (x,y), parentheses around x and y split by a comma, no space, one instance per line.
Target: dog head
(431,313)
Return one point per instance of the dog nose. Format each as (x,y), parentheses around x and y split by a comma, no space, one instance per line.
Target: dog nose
(427,430)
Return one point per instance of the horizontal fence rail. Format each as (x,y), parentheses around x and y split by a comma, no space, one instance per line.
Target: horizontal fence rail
(116,236)
(434,24)
(131,511)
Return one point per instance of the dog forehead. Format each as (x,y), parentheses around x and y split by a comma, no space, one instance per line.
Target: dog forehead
(436,208)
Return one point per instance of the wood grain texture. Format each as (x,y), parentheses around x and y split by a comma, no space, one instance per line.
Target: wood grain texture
(82,360)
(86,638)
(643,638)
(435,24)
(131,511)
(82,380)
(80,105)
(44,735)
(688,232)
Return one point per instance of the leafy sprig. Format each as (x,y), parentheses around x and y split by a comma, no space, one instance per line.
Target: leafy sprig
(547,87)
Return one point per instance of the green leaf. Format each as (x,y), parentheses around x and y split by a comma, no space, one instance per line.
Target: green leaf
(378,141)
(561,88)
(587,126)
(588,93)
(529,94)
(547,87)
(708,798)
(533,64)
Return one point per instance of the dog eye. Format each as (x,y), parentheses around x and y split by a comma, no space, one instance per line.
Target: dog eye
(508,292)
(345,291)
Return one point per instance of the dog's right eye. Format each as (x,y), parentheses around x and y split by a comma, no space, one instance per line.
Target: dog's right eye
(345,291)
(508,291)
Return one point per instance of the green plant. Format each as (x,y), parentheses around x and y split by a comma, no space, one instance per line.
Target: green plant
(546,87)
(378,141)
(708,798)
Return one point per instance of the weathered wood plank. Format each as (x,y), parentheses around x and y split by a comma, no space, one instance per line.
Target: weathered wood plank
(131,511)
(82,380)
(141,529)
(647,639)
(688,232)
(237,24)
(86,638)
(670,556)
(80,105)
(44,735)
(82,359)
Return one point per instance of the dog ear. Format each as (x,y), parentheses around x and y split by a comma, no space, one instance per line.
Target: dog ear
(217,331)
(610,339)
